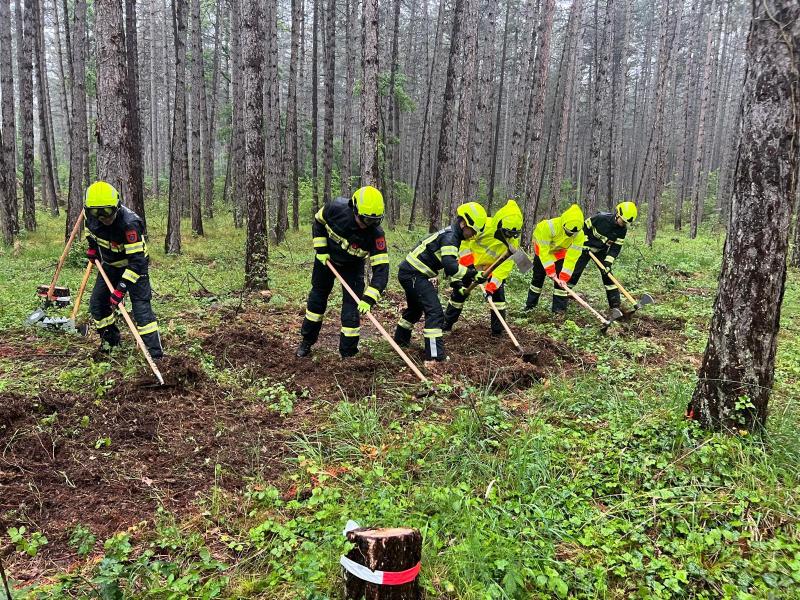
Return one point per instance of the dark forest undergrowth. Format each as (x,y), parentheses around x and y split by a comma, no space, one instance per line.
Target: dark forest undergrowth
(572,475)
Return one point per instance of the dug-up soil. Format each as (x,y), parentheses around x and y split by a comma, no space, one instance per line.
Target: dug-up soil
(69,459)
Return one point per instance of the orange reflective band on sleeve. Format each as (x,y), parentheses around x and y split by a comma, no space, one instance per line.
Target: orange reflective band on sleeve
(491,287)
(467,259)
(560,254)
(536,248)
(550,269)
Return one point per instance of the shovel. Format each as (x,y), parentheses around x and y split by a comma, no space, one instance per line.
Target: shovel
(643,301)
(519,257)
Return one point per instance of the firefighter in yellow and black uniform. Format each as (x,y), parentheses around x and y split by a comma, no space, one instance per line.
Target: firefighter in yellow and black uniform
(116,237)
(346,233)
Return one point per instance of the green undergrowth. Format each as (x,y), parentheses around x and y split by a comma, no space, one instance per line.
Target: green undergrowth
(589,484)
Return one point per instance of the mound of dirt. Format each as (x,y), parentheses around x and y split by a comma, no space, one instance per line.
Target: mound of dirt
(69,459)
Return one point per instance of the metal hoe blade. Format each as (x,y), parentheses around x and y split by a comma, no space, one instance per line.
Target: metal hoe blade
(615,314)
(644,300)
(35,317)
(522,261)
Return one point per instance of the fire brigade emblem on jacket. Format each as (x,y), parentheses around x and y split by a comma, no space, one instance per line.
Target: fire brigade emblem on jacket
(131,236)
(380,243)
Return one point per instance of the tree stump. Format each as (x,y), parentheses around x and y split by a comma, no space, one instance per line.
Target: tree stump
(391,550)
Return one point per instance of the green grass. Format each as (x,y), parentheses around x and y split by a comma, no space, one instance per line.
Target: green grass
(589,486)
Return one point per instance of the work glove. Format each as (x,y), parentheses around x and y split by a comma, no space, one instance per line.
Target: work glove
(364,307)
(459,288)
(92,254)
(608,266)
(323,258)
(481,277)
(117,295)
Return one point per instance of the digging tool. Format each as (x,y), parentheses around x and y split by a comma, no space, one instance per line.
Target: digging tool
(40,319)
(50,293)
(525,355)
(131,326)
(519,257)
(643,301)
(379,327)
(615,313)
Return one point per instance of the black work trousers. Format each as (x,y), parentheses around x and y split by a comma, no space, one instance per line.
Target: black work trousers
(322,280)
(456,305)
(537,281)
(140,294)
(612,291)
(421,298)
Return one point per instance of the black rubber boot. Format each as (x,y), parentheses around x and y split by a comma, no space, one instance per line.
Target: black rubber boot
(303,349)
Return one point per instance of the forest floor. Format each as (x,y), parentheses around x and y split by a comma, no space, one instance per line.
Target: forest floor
(569,473)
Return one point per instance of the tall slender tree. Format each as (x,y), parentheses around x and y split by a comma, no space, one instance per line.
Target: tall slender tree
(25,37)
(330,91)
(8,118)
(369,93)
(257,250)
(136,192)
(199,131)
(179,168)
(738,368)
(79,138)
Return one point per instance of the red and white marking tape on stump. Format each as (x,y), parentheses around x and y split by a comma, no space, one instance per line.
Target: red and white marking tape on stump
(377,577)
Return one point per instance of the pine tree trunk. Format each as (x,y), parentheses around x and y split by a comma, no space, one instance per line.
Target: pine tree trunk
(276,179)
(737,373)
(79,144)
(483,116)
(136,193)
(290,138)
(440,197)
(50,188)
(155,122)
(391,139)
(25,33)
(257,251)
(179,167)
(315,108)
(347,126)
(211,125)
(369,93)
(571,45)
(114,145)
(698,194)
(330,92)
(465,104)
(237,95)
(537,124)
(8,118)
(199,140)
(498,114)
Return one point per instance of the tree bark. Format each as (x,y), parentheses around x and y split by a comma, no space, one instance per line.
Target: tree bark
(25,33)
(179,167)
(315,108)
(257,250)
(440,196)
(8,119)
(114,151)
(535,134)
(347,126)
(79,143)
(498,113)
(330,92)
(136,193)
(290,137)
(737,373)
(393,550)
(483,115)
(369,93)
(391,142)
(211,135)
(199,131)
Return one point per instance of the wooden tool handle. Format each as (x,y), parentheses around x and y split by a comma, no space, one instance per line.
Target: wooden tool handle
(67,246)
(613,279)
(378,326)
(496,310)
(503,257)
(581,301)
(86,274)
(132,327)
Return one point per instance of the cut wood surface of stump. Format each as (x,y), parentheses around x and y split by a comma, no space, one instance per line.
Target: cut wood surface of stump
(384,549)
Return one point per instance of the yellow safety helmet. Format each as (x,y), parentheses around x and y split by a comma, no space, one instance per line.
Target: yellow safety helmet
(102,199)
(368,205)
(572,220)
(509,220)
(627,211)
(474,215)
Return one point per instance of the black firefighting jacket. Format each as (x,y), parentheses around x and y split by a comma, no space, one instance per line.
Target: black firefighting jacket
(336,233)
(439,251)
(121,244)
(603,234)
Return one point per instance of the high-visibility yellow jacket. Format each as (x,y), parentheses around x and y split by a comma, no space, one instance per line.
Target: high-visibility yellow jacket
(485,248)
(551,241)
